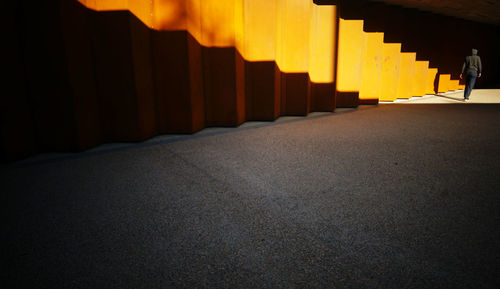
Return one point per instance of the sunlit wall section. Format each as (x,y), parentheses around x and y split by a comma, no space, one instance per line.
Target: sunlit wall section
(407,74)
(371,72)
(431,77)
(100,5)
(239,31)
(292,55)
(157,14)
(294,27)
(218,23)
(322,54)
(444,83)
(420,83)
(169,14)
(143,10)
(454,84)
(293,32)
(390,71)
(193,18)
(323,43)
(258,37)
(350,55)
(262,30)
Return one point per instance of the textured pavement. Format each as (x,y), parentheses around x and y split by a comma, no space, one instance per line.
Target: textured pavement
(453,97)
(387,196)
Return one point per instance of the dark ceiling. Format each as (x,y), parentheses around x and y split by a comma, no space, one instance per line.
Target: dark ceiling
(485,11)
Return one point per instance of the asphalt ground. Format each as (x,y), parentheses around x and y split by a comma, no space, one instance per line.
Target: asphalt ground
(482,96)
(387,196)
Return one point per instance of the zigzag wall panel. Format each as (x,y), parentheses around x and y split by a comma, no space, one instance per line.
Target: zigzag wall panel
(322,55)
(350,62)
(407,75)
(454,84)
(431,80)
(444,83)
(371,73)
(420,83)
(391,64)
(93,71)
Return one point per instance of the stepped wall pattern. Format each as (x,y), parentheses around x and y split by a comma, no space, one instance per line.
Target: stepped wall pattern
(94,71)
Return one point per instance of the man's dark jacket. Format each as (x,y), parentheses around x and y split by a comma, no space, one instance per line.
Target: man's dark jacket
(472,63)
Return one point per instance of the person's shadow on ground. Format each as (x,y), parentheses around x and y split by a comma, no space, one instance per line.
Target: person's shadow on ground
(459,99)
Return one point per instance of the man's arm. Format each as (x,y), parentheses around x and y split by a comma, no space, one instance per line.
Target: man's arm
(463,68)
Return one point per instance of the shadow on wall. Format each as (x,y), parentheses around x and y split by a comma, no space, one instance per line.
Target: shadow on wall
(94,77)
(444,41)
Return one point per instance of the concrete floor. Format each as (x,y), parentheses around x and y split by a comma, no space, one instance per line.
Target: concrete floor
(387,196)
(477,96)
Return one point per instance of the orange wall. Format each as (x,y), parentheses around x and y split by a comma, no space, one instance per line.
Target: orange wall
(431,77)
(391,63)
(371,74)
(180,65)
(297,34)
(350,55)
(407,75)
(454,84)
(218,23)
(293,32)
(420,83)
(170,14)
(322,50)
(106,5)
(258,41)
(444,83)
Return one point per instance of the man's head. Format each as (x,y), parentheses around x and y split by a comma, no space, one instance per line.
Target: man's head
(474,51)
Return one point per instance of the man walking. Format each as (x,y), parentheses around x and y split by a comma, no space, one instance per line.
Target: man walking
(472,69)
